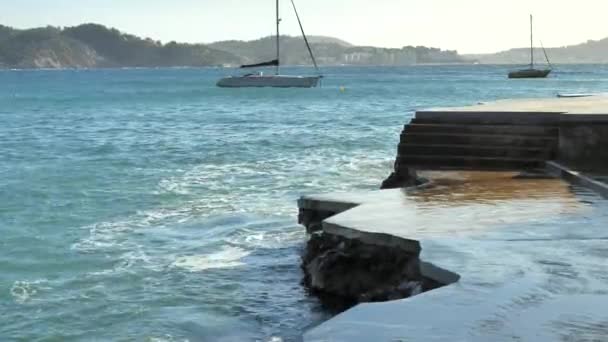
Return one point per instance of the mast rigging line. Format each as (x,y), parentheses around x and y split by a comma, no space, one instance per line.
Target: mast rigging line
(546,56)
(312,56)
(278,42)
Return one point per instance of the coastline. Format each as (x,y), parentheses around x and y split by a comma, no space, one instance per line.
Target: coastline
(222,67)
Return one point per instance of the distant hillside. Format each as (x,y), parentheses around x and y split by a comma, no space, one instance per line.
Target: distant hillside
(95,46)
(593,51)
(332,51)
(91,46)
(324,39)
(44,48)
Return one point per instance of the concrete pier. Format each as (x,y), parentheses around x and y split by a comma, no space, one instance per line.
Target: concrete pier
(523,258)
(507,135)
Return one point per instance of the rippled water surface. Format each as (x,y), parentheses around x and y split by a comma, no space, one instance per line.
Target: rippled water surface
(151,205)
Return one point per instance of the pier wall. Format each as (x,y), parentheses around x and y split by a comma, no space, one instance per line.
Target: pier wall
(506,135)
(583,141)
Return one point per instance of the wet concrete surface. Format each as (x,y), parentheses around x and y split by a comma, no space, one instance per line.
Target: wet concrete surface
(597,104)
(531,254)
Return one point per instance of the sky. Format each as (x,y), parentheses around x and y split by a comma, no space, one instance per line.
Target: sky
(469,26)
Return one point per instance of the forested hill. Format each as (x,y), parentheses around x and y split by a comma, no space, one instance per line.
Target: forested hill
(92,45)
(96,46)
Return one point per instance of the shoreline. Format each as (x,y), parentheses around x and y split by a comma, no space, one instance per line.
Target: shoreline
(219,67)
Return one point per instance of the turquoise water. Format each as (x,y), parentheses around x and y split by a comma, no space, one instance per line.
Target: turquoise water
(151,205)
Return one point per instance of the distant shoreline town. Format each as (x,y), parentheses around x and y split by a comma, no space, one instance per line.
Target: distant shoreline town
(96,46)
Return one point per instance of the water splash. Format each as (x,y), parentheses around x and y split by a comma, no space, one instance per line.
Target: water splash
(228,257)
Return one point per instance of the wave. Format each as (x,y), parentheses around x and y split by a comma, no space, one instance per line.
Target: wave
(245,205)
(228,257)
(278,236)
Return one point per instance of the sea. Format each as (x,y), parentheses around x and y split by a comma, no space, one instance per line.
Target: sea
(150,205)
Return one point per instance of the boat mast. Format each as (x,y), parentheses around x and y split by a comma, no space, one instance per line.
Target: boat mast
(531,44)
(278,38)
(312,56)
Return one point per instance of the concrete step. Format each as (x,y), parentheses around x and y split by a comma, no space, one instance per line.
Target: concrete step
(475,151)
(480,140)
(531,130)
(487,118)
(446,162)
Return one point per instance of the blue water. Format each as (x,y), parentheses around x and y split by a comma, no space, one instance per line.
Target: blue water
(150,205)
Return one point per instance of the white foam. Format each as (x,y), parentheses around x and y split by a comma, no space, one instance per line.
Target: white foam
(112,234)
(236,187)
(23,291)
(261,188)
(166,338)
(277,238)
(172,186)
(228,257)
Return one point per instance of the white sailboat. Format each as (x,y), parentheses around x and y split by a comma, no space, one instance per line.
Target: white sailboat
(277,80)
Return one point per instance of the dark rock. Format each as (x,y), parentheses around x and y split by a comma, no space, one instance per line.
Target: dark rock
(313,219)
(402,178)
(344,272)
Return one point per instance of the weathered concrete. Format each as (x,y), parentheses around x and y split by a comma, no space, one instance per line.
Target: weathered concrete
(582,121)
(531,256)
(507,135)
(592,105)
(584,143)
(446,145)
(522,256)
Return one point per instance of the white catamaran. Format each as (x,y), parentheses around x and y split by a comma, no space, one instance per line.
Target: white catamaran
(276,80)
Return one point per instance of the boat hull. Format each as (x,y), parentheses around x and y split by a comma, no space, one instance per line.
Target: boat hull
(530,73)
(275,81)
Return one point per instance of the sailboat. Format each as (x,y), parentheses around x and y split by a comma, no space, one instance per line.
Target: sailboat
(532,72)
(277,80)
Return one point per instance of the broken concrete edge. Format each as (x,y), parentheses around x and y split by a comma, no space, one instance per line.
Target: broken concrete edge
(438,274)
(317,208)
(318,203)
(344,272)
(427,269)
(492,116)
(576,177)
(310,203)
(374,239)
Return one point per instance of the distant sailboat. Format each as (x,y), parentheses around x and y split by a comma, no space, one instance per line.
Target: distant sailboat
(532,72)
(276,80)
